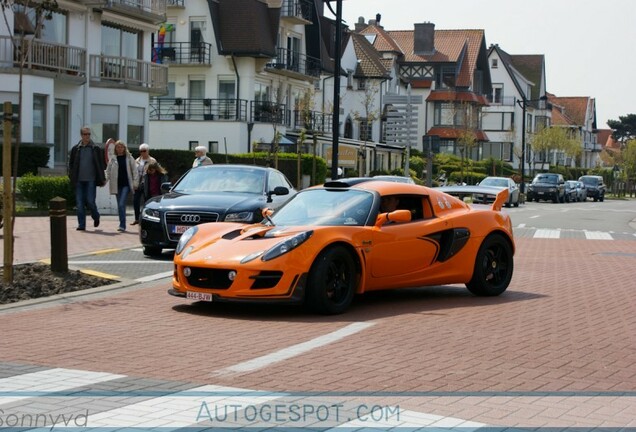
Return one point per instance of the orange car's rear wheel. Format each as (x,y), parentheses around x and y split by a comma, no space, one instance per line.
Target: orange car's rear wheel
(493,267)
(331,282)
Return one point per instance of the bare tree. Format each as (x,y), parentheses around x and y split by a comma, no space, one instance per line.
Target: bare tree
(369,115)
(28,20)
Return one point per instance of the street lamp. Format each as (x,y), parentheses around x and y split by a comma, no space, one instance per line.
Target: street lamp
(523,103)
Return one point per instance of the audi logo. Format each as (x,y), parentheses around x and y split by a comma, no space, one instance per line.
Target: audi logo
(190,218)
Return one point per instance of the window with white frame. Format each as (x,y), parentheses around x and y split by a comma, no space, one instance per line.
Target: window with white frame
(365,130)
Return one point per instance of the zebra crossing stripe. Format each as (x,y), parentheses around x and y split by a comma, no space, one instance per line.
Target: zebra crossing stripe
(547,233)
(179,410)
(410,419)
(51,380)
(597,235)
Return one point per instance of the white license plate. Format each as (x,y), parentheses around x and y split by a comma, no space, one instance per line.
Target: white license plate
(192,295)
(180,229)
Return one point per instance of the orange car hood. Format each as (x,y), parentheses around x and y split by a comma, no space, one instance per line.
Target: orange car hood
(236,241)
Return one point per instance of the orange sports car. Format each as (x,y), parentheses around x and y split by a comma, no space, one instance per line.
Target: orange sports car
(349,237)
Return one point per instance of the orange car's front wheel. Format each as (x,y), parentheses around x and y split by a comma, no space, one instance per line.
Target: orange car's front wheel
(331,282)
(493,267)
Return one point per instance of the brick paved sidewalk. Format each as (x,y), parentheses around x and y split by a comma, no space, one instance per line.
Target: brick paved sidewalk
(33,237)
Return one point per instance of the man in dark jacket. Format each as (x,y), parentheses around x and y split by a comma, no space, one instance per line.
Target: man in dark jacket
(86,171)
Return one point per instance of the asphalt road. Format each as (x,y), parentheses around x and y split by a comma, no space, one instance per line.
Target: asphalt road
(555,350)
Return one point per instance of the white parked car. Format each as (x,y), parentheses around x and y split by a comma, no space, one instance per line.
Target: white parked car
(501,183)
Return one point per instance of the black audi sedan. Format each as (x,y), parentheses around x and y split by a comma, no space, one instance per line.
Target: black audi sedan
(212,193)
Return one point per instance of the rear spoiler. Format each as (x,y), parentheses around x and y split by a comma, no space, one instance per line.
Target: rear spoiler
(501,195)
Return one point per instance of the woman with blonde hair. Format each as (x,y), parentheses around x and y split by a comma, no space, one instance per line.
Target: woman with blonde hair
(122,175)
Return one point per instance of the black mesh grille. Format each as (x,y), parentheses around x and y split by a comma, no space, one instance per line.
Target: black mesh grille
(267,279)
(209,278)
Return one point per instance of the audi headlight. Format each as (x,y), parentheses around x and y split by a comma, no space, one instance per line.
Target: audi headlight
(286,245)
(151,215)
(185,238)
(246,216)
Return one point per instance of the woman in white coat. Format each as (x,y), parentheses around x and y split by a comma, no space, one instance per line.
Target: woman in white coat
(122,176)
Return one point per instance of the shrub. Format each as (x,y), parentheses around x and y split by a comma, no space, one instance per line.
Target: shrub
(40,190)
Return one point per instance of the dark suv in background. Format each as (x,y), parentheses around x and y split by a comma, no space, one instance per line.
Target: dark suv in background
(547,186)
(595,186)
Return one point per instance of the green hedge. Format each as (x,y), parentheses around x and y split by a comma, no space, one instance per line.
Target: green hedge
(40,190)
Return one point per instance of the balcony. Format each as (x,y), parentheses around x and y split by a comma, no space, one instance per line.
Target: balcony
(269,112)
(198,109)
(184,53)
(153,11)
(176,4)
(297,11)
(312,121)
(43,58)
(502,100)
(131,74)
(294,64)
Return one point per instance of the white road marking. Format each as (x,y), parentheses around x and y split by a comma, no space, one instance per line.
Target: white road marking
(155,276)
(408,419)
(295,350)
(179,410)
(534,217)
(547,233)
(521,226)
(597,235)
(51,380)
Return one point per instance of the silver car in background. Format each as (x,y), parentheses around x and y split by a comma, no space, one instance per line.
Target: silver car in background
(501,183)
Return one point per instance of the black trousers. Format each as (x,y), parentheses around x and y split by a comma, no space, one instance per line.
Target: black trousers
(138,200)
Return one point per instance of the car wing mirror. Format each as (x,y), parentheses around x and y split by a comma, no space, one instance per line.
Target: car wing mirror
(278,190)
(165,187)
(398,216)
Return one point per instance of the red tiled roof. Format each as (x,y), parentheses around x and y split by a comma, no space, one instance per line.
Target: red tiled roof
(371,65)
(575,107)
(449,96)
(449,47)
(453,133)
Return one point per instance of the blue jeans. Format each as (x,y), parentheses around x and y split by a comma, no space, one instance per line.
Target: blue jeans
(85,192)
(122,196)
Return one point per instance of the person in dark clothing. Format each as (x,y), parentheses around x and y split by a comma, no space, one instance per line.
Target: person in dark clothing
(86,172)
(154,177)
(142,163)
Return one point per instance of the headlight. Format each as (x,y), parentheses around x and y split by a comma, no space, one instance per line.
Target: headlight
(185,238)
(286,245)
(151,215)
(246,216)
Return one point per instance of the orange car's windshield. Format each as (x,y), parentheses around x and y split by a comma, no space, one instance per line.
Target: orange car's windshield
(326,207)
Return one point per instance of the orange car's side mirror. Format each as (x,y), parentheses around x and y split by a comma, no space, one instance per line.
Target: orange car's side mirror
(395,216)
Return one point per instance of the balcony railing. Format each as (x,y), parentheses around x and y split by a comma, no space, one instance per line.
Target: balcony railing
(295,62)
(183,53)
(176,3)
(269,112)
(110,71)
(505,100)
(198,109)
(298,11)
(312,121)
(149,10)
(42,56)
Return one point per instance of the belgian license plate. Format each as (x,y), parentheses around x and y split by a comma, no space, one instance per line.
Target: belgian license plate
(193,295)
(540,193)
(180,229)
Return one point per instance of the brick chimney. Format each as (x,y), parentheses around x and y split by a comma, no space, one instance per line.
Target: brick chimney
(424,39)
(360,25)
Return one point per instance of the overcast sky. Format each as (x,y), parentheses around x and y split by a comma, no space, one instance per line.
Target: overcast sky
(589,45)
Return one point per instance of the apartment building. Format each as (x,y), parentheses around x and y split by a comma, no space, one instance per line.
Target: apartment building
(518,88)
(577,114)
(449,70)
(90,64)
